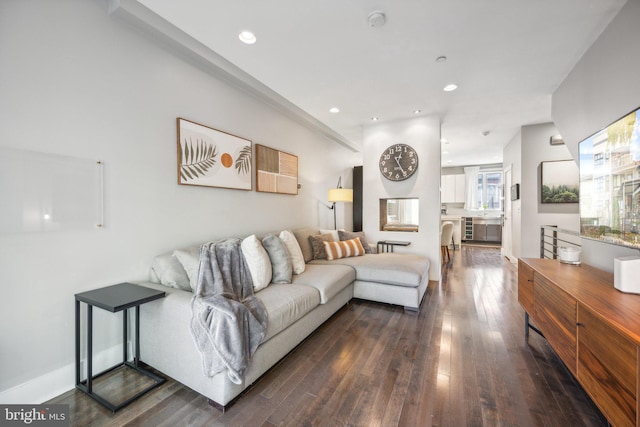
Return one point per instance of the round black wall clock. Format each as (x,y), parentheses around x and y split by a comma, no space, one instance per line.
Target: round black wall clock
(398,162)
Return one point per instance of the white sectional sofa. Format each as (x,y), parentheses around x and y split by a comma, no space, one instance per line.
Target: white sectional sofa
(294,309)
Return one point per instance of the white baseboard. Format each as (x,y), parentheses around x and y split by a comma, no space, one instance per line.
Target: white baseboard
(511,258)
(59,381)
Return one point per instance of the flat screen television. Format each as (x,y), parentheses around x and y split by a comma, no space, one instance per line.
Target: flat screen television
(610,183)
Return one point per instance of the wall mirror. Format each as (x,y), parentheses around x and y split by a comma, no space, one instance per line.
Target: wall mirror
(399,214)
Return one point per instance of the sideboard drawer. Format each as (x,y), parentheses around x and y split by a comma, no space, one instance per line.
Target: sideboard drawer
(556,314)
(607,368)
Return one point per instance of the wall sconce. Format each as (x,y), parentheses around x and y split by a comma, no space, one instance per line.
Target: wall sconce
(336,195)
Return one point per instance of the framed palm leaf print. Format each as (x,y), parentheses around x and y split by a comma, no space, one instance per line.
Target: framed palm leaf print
(211,158)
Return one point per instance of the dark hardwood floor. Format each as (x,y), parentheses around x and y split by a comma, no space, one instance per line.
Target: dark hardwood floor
(461,361)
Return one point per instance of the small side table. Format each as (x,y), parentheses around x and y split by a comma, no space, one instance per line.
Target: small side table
(387,245)
(114,298)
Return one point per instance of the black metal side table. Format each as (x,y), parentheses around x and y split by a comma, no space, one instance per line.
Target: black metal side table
(387,245)
(114,298)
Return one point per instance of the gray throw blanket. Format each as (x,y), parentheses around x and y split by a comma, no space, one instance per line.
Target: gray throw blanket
(228,322)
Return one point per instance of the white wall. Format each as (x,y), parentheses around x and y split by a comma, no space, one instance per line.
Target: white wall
(77,82)
(535,150)
(423,134)
(600,89)
(512,156)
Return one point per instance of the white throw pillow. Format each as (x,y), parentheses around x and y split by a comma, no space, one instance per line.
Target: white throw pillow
(258,261)
(297,259)
(170,272)
(334,234)
(190,260)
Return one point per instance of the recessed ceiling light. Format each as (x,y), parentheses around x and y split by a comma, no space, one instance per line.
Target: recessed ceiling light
(450,87)
(417,111)
(444,140)
(375,119)
(441,58)
(247,37)
(334,110)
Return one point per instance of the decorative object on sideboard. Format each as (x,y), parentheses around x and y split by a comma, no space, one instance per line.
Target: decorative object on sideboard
(625,274)
(211,158)
(276,171)
(338,194)
(560,182)
(398,162)
(610,205)
(569,255)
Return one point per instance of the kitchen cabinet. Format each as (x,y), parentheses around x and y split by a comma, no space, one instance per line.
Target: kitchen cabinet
(452,188)
(486,232)
(592,327)
(493,233)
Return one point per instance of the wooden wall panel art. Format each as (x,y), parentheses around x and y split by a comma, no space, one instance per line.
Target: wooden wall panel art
(276,171)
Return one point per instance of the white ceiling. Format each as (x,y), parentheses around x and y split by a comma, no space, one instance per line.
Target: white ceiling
(506,56)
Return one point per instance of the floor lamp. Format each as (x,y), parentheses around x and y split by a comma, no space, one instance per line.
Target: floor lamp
(339,194)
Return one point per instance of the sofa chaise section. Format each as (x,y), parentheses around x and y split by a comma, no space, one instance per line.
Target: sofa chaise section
(392,278)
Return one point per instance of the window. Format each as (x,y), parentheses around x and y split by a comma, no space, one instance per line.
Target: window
(490,190)
(598,160)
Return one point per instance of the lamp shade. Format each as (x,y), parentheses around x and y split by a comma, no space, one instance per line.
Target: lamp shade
(340,195)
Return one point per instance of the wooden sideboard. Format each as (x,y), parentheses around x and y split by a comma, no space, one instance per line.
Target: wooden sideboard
(593,327)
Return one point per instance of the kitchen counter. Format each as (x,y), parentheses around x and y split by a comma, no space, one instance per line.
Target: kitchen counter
(487,220)
(474,226)
(450,217)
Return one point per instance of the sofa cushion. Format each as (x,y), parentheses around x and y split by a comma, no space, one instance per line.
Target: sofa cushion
(258,262)
(344,249)
(190,259)
(302,236)
(329,280)
(297,259)
(169,271)
(390,268)
(281,267)
(285,304)
(348,235)
(317,243)
(334,234)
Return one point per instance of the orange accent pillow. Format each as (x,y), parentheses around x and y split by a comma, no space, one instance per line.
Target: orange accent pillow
(343,249)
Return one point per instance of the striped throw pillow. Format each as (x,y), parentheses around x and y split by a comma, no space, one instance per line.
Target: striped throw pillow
(343,249)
